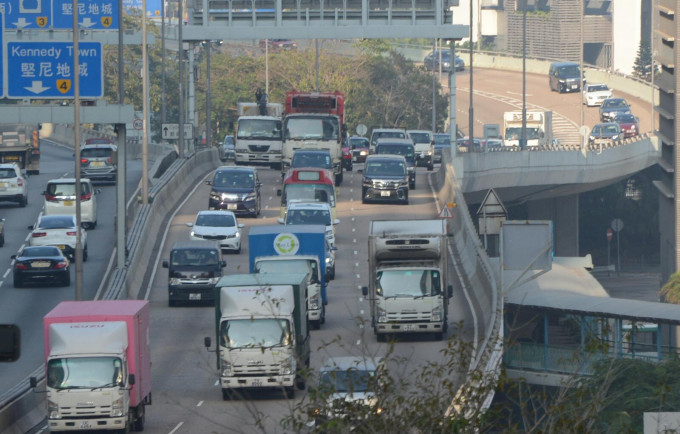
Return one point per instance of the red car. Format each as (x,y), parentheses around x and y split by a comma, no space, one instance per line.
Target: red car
(629,125)
(279,44)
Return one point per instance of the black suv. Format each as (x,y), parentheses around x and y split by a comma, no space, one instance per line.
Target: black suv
(194,268)
(403,147)
(98,162)
(236,189)
(385,178)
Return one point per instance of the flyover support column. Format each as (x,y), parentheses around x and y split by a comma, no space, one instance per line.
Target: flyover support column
(563,211)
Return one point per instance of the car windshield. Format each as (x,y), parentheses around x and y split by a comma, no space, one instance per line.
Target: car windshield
(194,257)
(615,103)
(40,251)
(569,71)
(358,143)
(56,222)
(420,137)
(262,129)
(309,192)
(442,139)
(308,217)
(312,159)
(67,189)
(597,88)
(84,372)
(347,381)
(95,152)
(408,283)
(386,168)
(7,173)
(628,118)
(215,220)
(405,150)
(255,332)
(234,179)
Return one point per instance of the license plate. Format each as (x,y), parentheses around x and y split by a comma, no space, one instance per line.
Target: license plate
(257,382)
(61,247)
(232,206)
(40,264)
(407,327)
(4,185)
(194,296)
(96,164)
(68,203)
(85,425)
(384,193)
(574,86)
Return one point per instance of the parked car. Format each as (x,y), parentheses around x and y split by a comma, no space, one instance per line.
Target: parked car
(359,146)
(41,264)
(13,184)
(60,198)
(236,189)
(227,150)
(99,162)
(219,226)
(605,133)
(385,179)
(279,44)
(612,107)
(595,94)
(629,124)
(58,230)
(432,61)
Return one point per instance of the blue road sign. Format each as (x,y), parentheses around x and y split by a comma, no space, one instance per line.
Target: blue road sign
(58,14)
(45,70)
(153,7)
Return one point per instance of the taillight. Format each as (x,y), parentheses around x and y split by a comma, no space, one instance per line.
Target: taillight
(50,198)
(71,233)
(39,234)
(21,266)
(109,160)
(20,182)
(83,160)
(87,196)
(60,265)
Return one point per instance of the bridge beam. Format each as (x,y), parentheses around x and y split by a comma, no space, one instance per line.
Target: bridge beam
(563,211)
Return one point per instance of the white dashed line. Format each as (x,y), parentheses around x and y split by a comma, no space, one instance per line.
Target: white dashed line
(6,273)
(200,403)
(174,430)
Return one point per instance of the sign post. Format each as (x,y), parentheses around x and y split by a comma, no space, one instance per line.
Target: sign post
(609,243)
(617,226)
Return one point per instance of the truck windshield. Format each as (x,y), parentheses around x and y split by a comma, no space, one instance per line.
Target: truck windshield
(516,133)
(300,128)
(408,283)
(262,129)
(350,380)
(84,372)
(420,137)
(260,332)
(308,192)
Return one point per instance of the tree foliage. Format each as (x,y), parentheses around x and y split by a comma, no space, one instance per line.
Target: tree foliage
(643,61)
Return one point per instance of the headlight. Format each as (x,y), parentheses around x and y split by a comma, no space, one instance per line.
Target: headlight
(591,137)
(382,315)
(286,368)
(363,153)
(215,196)
(53,410)
(314,302)
(616,137)
(226,368)
(437,314)
(248,196)
(214,280)
(403,183)
(174,281)
(193,234)
(117,408)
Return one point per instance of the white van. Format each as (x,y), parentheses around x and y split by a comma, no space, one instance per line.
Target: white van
(60,198)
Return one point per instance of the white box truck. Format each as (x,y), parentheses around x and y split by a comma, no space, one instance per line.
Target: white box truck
(408,287)
(538,128)
(262,338)
(98,365)
(258,139)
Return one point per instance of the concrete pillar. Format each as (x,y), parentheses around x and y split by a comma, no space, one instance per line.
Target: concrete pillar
(563,211)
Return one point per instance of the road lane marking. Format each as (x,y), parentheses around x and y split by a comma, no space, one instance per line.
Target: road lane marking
(174,430)
(200,403)
(4,276)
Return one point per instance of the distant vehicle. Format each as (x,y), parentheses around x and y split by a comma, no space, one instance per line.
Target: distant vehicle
(385,133)
(60,231)
(227,149)
(403,147)
(60,198)
(194,267)
(629,124)
(464,142)
(41,264)
(594,94)
(13,184)
(432,61)
(441,142)
(236,189)
(311,184)
(312,213)
(385,179)
(220,226)
(605,133)
(347,162)
(564,77)
(359,147)
(99,161)
(279,44)
(612,107)
(423,141)
(99,141)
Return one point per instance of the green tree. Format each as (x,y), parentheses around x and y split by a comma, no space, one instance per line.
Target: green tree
(643,62)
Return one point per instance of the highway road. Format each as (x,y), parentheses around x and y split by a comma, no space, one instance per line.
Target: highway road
(27,305)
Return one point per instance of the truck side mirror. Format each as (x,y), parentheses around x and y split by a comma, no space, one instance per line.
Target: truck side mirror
(278,192)
(364,291)
(450,290)
(207,342)
(165,264)
(223,264)
(33,382)
(131,379)
(327,277)
(336,221)
(280,220)
(30,227)
(208,182)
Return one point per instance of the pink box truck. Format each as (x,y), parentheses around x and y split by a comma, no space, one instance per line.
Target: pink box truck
(98,365)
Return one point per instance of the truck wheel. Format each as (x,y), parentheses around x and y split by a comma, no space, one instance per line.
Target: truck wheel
(338,179)
(316,324)
(85,254)
(439,336)
(323,315)
(17,282)
(289,392)
(141,416)
(380,337)
(24,201)
(66,281)
(300,382)
(226,394)
(430,167)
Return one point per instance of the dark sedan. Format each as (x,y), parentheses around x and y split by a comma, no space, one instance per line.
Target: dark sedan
(612,107)
(41,264)
(629,125)
(236,189)
(605,133)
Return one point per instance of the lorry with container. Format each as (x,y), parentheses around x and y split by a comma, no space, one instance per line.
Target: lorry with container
(257,137)
(291,240)
(538,128)
(261,333)
(306,264)
(314,120)
(20,143)
(408,286)
(98,365)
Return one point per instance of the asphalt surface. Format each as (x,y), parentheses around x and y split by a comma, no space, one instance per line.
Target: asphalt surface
(641,285)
